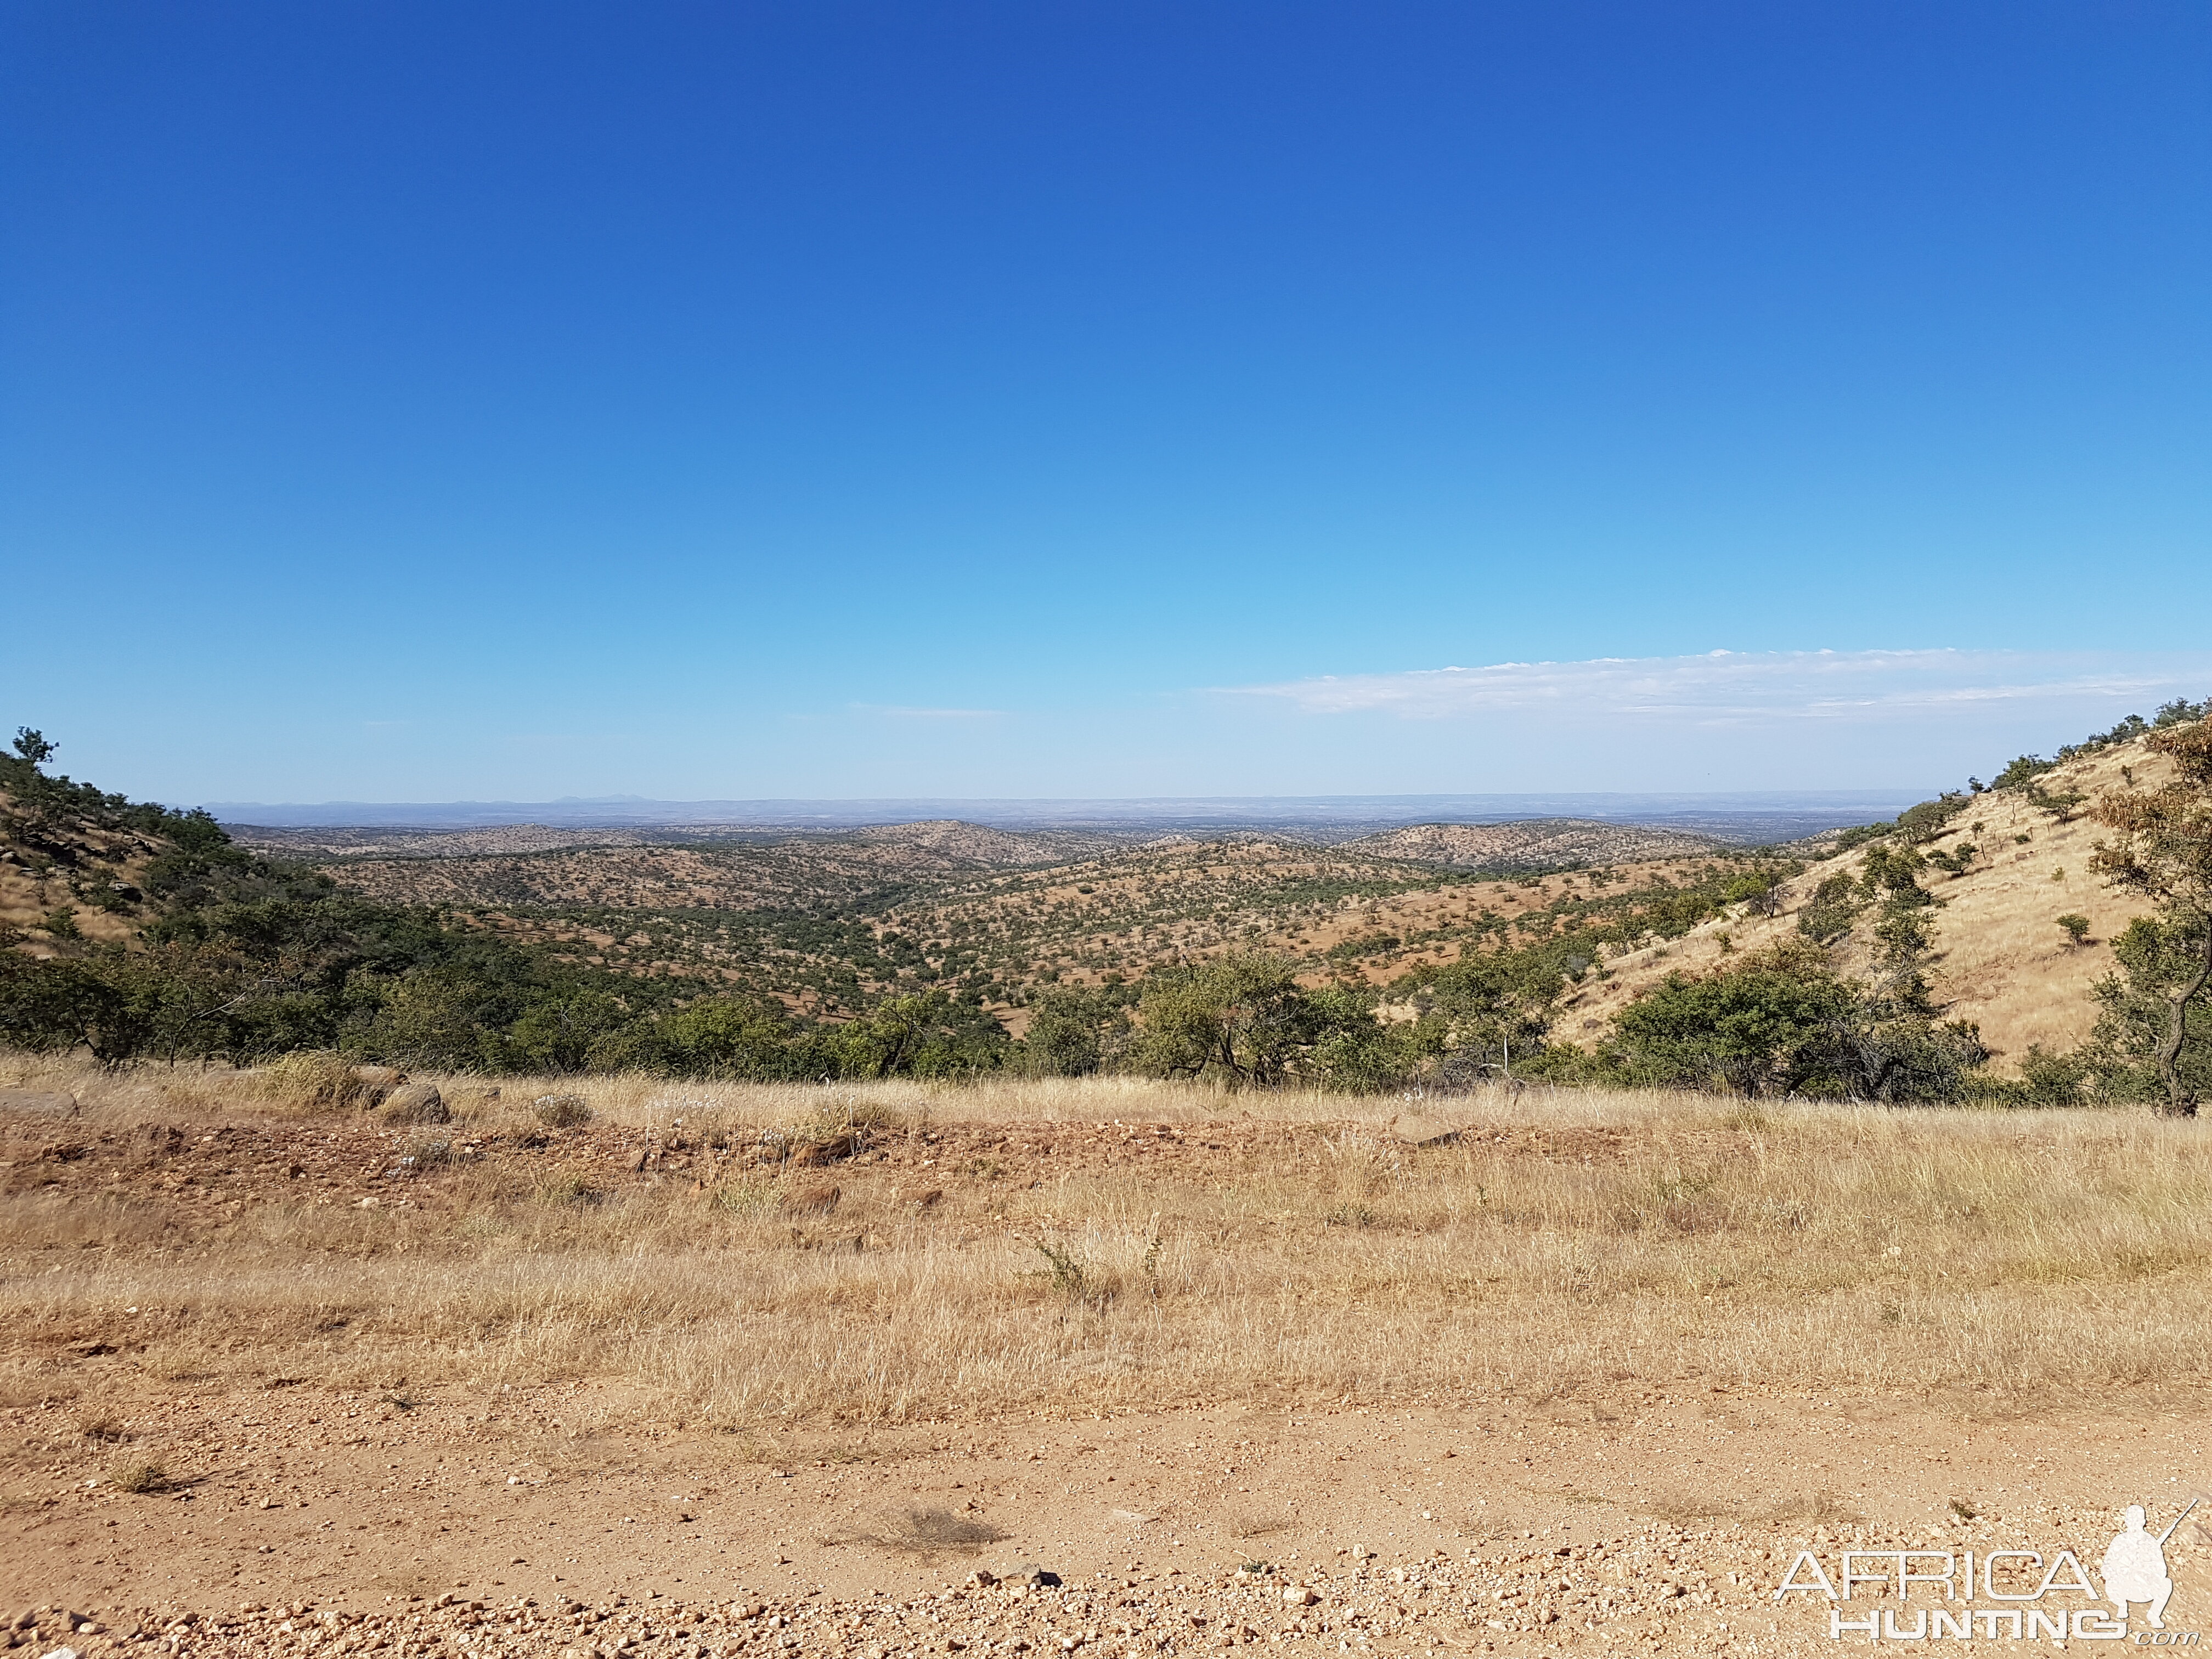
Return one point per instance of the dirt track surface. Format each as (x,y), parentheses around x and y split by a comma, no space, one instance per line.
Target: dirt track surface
(574,1517)
(1575,1530)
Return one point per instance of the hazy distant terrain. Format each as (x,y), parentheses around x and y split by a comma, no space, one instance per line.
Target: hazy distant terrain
(1744,819)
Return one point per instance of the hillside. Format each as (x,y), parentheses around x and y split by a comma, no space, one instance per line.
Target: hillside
(1533,844)
(811,954)
(72,864)
(2001,959)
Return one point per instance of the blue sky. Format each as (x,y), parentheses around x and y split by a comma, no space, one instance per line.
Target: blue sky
(413,402)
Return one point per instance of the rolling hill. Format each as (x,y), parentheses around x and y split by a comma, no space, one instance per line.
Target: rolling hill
(2001,959)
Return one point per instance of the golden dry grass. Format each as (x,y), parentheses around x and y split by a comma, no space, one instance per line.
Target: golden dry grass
(1565,1242)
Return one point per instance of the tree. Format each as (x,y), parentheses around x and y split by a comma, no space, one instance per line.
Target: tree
(730,1037)
(1759,892)
(1072,1029)
(33,746)
(1486,1014)
(2162,851)
(928,1034)
(1242,1017)
(2077,928)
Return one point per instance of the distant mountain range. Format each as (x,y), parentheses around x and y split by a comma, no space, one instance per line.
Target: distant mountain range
(1744,819)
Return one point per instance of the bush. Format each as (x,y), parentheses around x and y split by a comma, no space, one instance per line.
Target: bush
(1828,915)
(562,1111)
(2075,928)
(1782,1022)
(1761,1028)
(2050,1079)
(2021,770)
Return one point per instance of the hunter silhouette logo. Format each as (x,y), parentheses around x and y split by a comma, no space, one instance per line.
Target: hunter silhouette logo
(2135,1566)
(2027,1587)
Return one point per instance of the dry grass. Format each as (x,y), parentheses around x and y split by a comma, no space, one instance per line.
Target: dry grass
(140,1475)
(1565,1242)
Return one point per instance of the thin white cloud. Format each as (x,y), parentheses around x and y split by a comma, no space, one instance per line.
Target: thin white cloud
(1737,687)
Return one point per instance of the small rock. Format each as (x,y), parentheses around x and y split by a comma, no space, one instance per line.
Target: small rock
(416,1103)
(811,1200)
(814,1153)
(923,1201)
(1035,1576)
(1299,1596)
(47,1101)
(981,1578)
(376,1082)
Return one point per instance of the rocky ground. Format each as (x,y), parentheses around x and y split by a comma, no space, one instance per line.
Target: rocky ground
(458,1524)
(251,1511)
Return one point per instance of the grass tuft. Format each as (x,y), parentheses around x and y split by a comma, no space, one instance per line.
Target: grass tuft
(144,1476)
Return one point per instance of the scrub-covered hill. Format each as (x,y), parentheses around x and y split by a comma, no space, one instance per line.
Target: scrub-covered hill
(2019,927)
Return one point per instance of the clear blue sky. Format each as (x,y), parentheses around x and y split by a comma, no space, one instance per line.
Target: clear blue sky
(420,402)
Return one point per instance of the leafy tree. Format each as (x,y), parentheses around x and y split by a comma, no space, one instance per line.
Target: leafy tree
(1930,818)
(32,747)
(1241,1018)
(573,1032)
(2077,928)
(2127,1051)
(1833,907)
(1486,1014)
(1760,891)
(931,1034)
(727,1037)
(109,1001)
(1354,1052)
(2021,770)
(2162,851)
(1073,1030)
